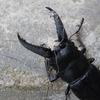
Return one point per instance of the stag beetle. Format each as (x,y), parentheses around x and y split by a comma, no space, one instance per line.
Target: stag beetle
(70,64)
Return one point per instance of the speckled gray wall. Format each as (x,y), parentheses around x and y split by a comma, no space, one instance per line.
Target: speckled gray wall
(22,73)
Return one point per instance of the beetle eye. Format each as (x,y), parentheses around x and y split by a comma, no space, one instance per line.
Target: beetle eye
(62,45)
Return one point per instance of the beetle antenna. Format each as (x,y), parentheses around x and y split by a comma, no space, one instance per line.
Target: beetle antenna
(78,29)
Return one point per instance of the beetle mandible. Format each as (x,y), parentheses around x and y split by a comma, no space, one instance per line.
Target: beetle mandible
(70,64)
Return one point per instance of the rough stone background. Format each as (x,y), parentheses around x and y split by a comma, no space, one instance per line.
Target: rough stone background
(22,73)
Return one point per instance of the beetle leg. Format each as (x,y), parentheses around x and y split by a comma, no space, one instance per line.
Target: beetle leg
(78,37)
(81,43)
(54,78)
(48,70)
(67,91)
(62,36)
(90,60)
(83,50)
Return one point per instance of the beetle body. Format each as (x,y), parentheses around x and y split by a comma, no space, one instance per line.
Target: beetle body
(88,86)
(70,64)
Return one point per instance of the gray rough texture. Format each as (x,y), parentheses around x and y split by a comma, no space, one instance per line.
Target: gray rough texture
(22,73)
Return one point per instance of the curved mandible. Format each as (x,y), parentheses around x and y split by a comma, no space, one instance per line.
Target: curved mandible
(42,51)
(62,36)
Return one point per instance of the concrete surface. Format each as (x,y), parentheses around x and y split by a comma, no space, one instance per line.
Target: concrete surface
(22,73)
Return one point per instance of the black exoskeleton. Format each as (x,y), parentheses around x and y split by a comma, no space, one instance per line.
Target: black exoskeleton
(70,64)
